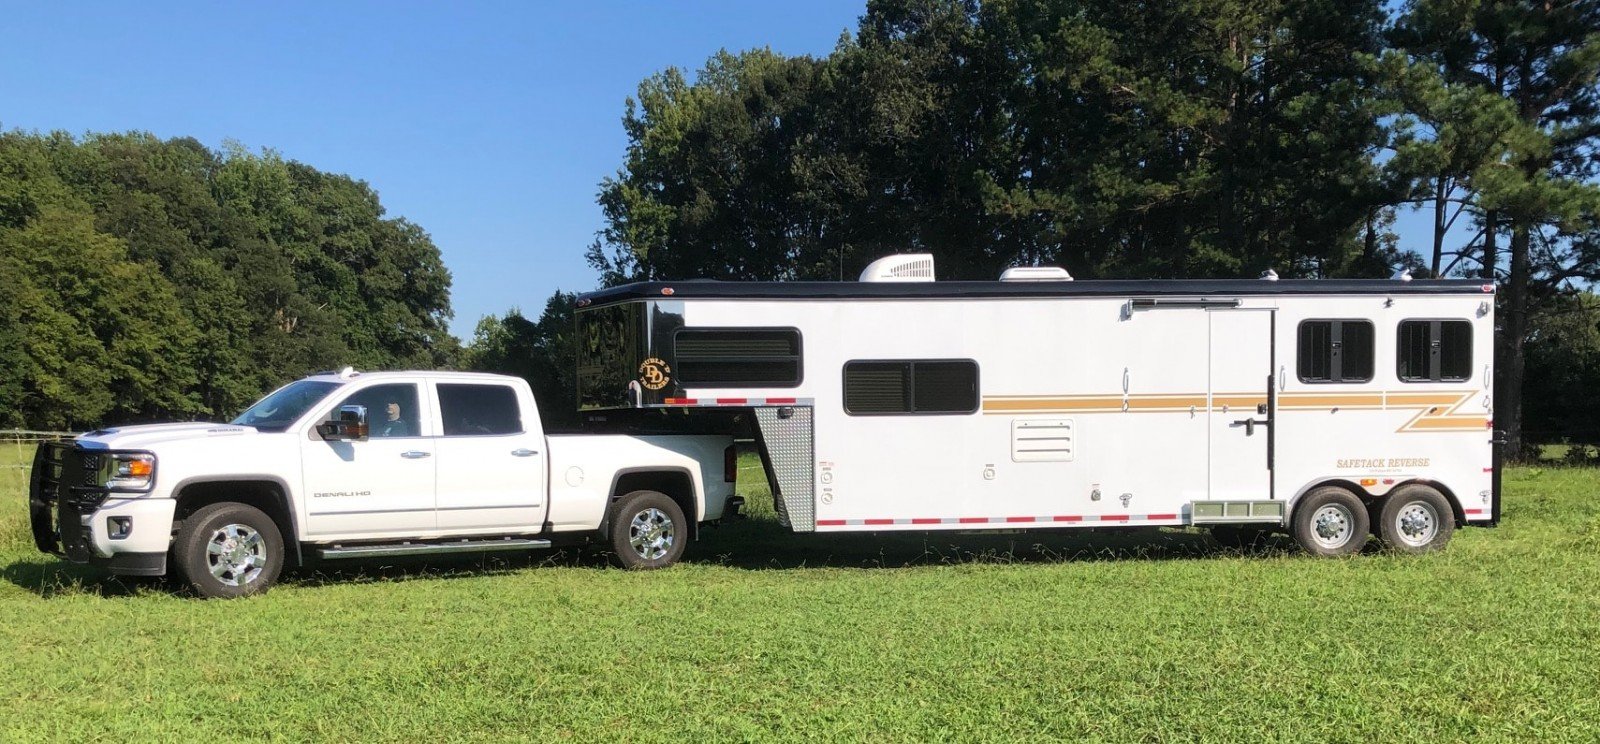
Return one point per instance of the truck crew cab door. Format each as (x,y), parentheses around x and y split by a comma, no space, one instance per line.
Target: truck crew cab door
(491,459)
(378,487)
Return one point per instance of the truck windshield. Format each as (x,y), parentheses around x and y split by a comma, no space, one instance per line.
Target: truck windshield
(280,409)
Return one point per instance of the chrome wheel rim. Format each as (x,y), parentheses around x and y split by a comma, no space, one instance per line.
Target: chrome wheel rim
(1332,526)
(236,554)
(1416,524)
(651,534)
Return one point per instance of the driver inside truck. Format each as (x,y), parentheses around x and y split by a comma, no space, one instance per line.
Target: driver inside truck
(392,425)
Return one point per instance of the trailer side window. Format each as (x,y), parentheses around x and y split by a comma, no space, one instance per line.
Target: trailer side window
(737,357)
(1335,351)
(924,386)
(1435,350)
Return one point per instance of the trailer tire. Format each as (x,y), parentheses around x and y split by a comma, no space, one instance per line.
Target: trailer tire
(1331,522)
(1415,519)
(648,530)
(247,557)
(1241,536)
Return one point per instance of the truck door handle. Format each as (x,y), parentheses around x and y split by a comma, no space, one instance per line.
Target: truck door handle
(415,454)
(524,452)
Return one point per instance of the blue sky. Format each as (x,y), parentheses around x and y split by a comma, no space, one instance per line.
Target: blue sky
(490,124)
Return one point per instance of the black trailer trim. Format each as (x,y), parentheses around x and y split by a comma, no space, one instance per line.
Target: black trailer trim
(711,289)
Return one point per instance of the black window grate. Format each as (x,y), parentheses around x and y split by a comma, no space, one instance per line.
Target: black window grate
(1335,351)
(929,386)
(737,357)
(1434,351)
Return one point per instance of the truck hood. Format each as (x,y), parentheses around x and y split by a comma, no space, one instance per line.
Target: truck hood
(146,436)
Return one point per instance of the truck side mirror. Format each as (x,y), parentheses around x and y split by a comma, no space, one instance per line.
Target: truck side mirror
(350,424)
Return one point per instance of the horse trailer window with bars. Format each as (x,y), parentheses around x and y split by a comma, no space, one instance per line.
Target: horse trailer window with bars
(1434,350)
(1335,351)
(924,386)
(737,357)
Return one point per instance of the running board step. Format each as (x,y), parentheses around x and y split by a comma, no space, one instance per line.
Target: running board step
(433,548)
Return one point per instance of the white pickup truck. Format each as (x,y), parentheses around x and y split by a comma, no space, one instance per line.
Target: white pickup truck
(352,465)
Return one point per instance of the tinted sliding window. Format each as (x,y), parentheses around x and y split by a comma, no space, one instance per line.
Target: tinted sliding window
(926,386)
(1434,350)
(479,410)
(737,357)
(1335,351)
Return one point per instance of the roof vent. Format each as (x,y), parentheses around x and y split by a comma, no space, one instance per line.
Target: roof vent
(905,267)
(1404,275)
(1269,275)
(1035,274)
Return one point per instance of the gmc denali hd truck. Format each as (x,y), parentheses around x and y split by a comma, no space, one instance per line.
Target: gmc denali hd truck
(352,465)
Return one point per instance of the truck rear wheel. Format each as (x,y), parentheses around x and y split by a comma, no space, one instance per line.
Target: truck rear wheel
(228,550)
(1330,521)
(1415,519)
(648,530)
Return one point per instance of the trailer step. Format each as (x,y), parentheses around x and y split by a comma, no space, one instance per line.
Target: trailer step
(433,548)
(1236,512)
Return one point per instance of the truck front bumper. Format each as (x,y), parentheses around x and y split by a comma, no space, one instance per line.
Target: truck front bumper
(128,536)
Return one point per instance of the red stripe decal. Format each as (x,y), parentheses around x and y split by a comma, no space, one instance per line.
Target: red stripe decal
(1069,519)
(1114,518)
(926,520)
(1474,511)
(780,401)
(830,523)
(877,521)
(1488,470)
(1162,516)
(730,401)
(681,401)
(1019,519)
(974,520)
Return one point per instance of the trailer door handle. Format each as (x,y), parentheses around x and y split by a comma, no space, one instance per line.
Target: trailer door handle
(524,452)
(1251,424)
(415,454)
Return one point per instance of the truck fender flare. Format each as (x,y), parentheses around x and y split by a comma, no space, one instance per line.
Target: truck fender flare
(291,540)
(696,495)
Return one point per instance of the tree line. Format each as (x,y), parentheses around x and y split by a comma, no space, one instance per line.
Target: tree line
(147,279)
(1167,139)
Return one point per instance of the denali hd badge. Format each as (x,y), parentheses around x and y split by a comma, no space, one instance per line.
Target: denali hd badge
(654,374)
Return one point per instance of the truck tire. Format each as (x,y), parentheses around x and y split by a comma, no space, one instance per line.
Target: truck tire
(1415,519)
(228,550)
(648,530)
(1331,522)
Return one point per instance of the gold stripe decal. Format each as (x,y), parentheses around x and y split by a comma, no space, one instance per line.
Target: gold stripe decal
(1435,411)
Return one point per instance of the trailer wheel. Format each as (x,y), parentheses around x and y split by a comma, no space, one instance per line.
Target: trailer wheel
(1415,519)
(228,550)
(1330,521)
(648,530)
(1241,536)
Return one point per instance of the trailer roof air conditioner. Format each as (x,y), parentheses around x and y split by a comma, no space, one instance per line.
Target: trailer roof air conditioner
(1035,274)
(905,267)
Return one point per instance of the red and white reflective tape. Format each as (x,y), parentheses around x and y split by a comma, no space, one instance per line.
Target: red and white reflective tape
(738,402)
(1054,519)
(1474,512)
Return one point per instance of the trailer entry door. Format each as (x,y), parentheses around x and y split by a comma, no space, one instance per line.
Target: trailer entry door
(1241,404)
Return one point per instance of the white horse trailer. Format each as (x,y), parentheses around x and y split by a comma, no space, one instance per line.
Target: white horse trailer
(1332,409)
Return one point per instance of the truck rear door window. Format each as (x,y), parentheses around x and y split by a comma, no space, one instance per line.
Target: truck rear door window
(472,410)
(1335,351)
(1434,350)
(737,357)
(922,386)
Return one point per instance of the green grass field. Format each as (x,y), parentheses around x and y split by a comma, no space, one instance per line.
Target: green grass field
(763,634)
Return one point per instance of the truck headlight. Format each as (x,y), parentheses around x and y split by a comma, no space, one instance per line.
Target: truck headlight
(130,471)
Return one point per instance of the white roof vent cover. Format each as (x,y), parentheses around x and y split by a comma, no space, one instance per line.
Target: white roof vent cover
(905,267)
(1035,274)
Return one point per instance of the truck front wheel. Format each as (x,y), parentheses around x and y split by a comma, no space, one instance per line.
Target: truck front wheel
(648,530)
(228,550)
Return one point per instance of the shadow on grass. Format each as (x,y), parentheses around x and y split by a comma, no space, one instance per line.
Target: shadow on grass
(753,544)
